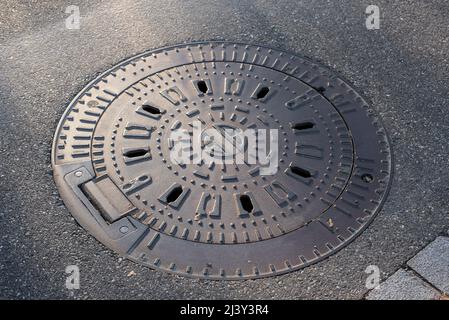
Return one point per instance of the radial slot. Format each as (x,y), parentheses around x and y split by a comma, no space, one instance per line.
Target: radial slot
(300,172)
(202,86)
(246,203)
(150,109)
(174,194)
(303,125)
(262,92)
(135,153)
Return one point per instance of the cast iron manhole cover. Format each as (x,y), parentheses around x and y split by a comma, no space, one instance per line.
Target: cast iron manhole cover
(114,166)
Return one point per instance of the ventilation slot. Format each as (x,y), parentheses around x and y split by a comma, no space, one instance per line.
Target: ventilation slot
(247,205)
(135,153)
(151,109)
(262,93)
(202,86)
(300,172)
(174,194)
(303,125)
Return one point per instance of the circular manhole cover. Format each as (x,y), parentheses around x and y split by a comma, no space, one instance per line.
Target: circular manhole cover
(142,160)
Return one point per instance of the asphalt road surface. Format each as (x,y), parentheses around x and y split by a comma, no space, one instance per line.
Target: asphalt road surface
(402,69)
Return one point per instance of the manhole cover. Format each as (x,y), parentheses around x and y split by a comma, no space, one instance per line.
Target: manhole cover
(210,215)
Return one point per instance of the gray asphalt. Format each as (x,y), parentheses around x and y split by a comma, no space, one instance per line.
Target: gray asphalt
(401,68)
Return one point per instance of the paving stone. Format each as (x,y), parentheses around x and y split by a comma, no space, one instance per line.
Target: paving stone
(432,263)
(403,285)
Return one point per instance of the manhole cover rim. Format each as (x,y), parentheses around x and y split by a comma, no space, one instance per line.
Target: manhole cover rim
(230,277)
